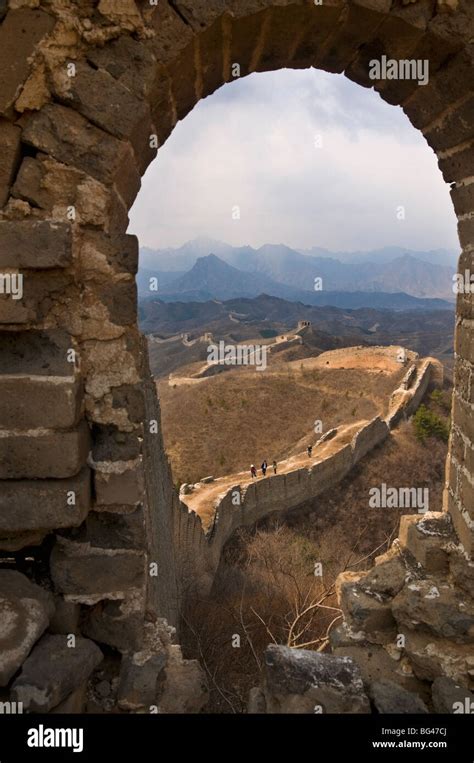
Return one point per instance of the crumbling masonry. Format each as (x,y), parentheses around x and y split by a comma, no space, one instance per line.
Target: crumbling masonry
(89,90)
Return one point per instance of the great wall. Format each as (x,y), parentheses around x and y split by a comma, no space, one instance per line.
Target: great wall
(90,541)
(212,521)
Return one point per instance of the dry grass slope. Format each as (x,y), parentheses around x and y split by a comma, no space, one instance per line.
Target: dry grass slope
(239,417)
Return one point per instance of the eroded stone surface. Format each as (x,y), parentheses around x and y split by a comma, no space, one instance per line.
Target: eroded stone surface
(54,670)
(297,681)
(26,610)
(389,697)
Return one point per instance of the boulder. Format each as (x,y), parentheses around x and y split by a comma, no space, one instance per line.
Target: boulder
(25,612)
(389,697)
(300,681)
(53,671)
(437,608)
(387,578)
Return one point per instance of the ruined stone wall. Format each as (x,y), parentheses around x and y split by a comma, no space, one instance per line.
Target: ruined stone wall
(199,553)
(89,90)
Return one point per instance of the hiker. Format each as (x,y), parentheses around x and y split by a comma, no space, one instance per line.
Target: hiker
(310,450)
(253,471)
(264,468)
(274,467)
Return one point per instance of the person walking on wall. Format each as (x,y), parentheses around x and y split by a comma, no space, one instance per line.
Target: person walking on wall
(310,451)
(264,468)
(253,471)
(274,467)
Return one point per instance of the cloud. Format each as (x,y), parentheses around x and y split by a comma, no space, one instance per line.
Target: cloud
(309,158)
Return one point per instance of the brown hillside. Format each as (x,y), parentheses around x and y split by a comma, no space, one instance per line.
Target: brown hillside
(224,423)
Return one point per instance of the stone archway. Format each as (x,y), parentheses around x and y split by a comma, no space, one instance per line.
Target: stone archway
(88,92)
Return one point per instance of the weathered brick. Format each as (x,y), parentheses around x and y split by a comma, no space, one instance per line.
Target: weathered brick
(462,378)
(318,23)
(100,252)
(110,444)
(448,85)
(466,490)
(463,198)
(41,353)
(426,537)
(173,33)
(465,306)
(35,244)
(354,28)
(211,47)
(27,505)
(462,417)
(119,489)
(457,127)
(40,290)
(161,104)
(183,82)
(55,187)
(71,138)
(429,48)
(13,311)
(201,13)
(245,35)
(20,33)
(394,38)
(117,623)
(105,529)
(130,397)
(27,403)
(90,574)
(130,62)
(458,165)
(465,340)
(464,533)
(466,232)
(282,29)
(44,455)
(96,95)
(53,671)
(10,136)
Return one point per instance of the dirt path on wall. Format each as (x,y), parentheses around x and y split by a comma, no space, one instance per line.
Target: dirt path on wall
(204,498)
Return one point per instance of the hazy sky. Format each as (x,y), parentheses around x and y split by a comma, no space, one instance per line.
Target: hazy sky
(309,158)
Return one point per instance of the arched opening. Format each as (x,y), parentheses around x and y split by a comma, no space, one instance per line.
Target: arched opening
(77,140)
(259,144)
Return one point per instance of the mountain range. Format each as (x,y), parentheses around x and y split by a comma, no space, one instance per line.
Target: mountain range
(205,269)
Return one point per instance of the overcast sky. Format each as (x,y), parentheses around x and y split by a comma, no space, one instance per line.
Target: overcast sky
(254,145)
